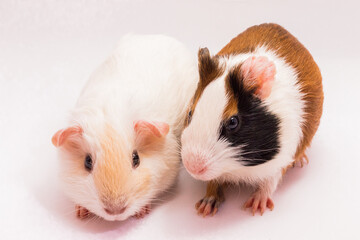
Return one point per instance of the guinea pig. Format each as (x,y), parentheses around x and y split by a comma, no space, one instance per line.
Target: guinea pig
(256,109)
(121,148)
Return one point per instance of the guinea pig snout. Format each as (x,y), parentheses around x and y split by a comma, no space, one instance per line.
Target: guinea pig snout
(114,210)
(195,164)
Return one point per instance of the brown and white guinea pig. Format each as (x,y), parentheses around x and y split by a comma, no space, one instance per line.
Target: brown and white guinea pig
(255,111)
(122,146)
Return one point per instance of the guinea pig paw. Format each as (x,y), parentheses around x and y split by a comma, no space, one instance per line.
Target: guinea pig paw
(81,212)
(208,206)
(144,211)
(302,160)
(259,201)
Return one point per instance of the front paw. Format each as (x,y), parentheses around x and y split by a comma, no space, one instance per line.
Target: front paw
(82,213)
(143,211)
(259,200)
(208,205)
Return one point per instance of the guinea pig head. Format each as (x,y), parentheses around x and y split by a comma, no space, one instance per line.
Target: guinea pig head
(229,126)
(109,173)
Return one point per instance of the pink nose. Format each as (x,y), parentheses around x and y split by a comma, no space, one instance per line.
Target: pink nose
(195,165)
(114,210)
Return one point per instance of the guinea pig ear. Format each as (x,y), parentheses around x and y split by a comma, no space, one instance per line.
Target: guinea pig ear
(204,55)
(148,132)
(258,74)
(208,66)
(63,135)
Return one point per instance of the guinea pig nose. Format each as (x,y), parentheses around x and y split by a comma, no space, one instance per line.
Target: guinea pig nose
(198,170)
(115,210)
(196,165)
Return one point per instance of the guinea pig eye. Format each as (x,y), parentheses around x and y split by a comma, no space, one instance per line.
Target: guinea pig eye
(88,163)
(189,116)
(233,123)
(135,159)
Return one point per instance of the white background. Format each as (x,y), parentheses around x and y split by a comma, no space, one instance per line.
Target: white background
(49,48)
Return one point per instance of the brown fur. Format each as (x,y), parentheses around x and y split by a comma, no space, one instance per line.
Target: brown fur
(286,46)
(113,172)
(215,189)
(214,197)
(277,39)
(231,107)
(209,70)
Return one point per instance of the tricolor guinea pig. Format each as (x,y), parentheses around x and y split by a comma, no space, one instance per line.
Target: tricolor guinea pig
(122,145)
(255,111)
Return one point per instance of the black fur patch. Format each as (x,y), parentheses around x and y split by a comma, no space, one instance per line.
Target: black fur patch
(258,133)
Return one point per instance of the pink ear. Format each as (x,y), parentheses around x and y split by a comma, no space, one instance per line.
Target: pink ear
(158,129)
(146,131)
(61,136)
(259,73)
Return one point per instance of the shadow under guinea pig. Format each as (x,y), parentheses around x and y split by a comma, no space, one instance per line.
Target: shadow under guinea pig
(174,211)
(180,216)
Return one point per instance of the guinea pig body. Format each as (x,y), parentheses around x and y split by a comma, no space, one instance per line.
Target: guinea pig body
(122,146)
(256,109)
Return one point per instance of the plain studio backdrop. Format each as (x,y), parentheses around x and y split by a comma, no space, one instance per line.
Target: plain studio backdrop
(48,49)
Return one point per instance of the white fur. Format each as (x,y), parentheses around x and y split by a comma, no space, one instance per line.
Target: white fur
(201,136)
(149,78)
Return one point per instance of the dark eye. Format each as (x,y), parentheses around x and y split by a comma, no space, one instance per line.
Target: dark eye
(88,163)
(233,123)
(135,159)
(189,116)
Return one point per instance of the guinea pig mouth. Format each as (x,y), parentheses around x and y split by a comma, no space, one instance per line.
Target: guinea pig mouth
(116,217)
(202,177)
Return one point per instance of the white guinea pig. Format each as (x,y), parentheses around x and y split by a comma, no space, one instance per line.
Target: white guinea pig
(255,111)
(121,148)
